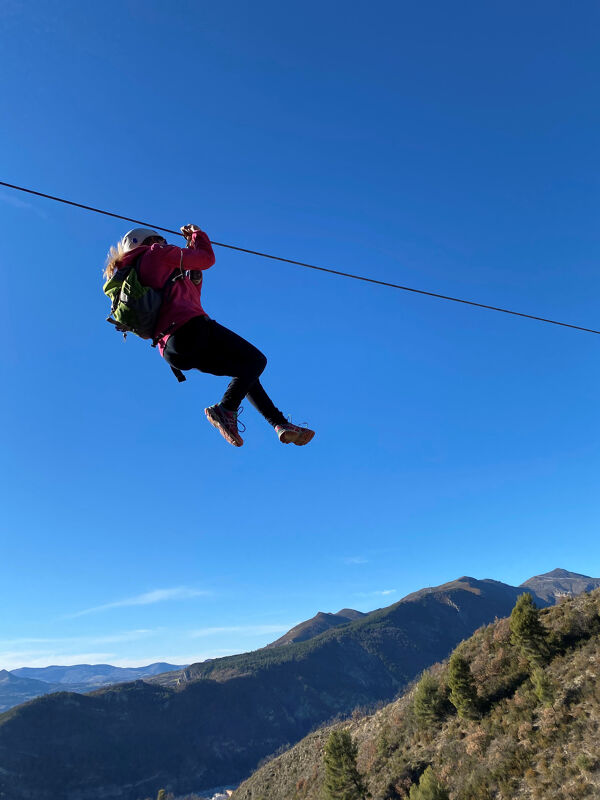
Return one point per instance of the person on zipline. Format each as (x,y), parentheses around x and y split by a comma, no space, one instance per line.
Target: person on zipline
(194,341)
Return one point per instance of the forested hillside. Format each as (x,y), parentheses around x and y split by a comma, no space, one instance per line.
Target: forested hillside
(513,713)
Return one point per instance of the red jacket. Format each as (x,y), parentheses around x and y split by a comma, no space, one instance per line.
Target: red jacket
(182,298)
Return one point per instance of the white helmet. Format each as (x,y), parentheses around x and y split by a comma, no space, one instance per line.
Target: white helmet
(134,238)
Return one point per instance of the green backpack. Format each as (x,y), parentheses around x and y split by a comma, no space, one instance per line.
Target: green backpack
(135,307)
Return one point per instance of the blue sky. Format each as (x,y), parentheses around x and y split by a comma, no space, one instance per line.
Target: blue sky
(450,147)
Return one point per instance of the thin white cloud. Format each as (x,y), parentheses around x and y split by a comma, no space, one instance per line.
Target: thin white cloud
(129,636)
(173,658)
(380,593)
(111,638)
(39,658)
(355,560)
(66,650)
(146,599)
(17,203)
(245,630)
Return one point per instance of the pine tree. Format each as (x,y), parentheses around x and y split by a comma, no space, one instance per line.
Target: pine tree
(463,695)
(429,702)
(343,781)
(429,788)
(542,686)
(527,631)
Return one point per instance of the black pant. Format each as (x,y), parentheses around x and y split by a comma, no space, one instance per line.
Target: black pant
(205,345)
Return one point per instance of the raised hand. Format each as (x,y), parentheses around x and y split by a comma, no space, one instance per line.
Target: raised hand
(188,230)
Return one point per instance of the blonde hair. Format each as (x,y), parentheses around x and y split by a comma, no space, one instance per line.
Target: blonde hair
(113,260)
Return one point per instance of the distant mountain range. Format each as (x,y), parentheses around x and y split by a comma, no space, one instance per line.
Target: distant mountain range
(211,723)
(92,674)
(26,683)
(15,690)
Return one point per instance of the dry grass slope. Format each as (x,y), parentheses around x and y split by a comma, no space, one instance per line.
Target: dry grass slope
(536,735)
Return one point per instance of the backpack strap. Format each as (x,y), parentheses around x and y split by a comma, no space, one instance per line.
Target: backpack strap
(175,275)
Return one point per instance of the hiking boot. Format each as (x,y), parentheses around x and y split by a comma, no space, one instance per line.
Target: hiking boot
(289,433)
(225,422)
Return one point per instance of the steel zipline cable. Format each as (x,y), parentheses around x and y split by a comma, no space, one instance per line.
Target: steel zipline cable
(303,264)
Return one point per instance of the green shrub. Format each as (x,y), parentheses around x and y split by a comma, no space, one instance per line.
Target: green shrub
(429,704)
(584,762)
(542,686)
(429,788)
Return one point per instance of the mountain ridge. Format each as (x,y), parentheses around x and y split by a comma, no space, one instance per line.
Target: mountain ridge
(15,690)
(558,583)
(321,622)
